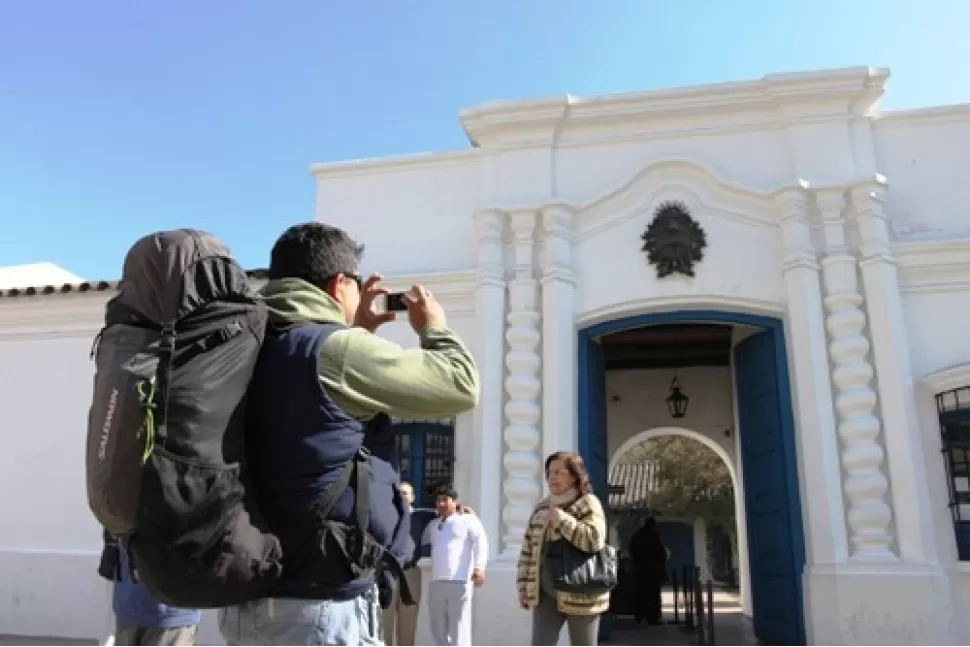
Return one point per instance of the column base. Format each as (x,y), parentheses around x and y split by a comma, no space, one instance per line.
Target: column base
(878,604)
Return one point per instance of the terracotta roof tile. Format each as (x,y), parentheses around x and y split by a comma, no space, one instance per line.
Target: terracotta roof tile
(86,286)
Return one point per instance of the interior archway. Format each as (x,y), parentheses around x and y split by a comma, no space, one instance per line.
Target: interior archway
(657,432)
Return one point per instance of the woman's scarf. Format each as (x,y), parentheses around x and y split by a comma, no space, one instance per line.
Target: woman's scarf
(563,500)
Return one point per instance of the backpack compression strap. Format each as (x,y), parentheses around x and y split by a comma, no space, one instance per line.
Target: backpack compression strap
(358,468)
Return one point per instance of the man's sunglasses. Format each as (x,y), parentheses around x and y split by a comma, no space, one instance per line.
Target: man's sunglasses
(353,277)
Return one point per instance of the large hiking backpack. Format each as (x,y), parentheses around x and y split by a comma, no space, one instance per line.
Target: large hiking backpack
(166,434)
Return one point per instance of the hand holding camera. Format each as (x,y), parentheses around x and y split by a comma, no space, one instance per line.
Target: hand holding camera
(423,309)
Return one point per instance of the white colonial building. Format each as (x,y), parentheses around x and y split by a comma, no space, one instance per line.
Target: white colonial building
(822,332)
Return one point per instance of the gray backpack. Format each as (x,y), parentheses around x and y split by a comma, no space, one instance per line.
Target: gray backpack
(166,436)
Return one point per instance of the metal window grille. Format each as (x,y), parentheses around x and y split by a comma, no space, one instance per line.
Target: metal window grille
(426,456)
(954,412)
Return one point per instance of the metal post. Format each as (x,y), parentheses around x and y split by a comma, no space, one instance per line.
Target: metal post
(688,600)
(699,607)
(711,640)
(673,581)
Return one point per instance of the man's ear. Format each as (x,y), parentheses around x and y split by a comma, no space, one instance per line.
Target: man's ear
(333,285)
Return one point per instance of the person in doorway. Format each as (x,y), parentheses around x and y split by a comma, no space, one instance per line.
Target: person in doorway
(650,564)
(571,512)
(400,620)
(140,619)
(459,553)
(324,388)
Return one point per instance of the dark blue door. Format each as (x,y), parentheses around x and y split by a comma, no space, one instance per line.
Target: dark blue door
(592,415)
(592,436)
(678,537)
(770,491)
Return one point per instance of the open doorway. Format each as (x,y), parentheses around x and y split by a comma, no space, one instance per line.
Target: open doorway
(719,380)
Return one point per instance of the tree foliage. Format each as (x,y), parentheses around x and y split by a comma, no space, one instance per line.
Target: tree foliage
(691,480)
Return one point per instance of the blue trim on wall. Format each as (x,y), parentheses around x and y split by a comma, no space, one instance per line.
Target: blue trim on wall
(588,336)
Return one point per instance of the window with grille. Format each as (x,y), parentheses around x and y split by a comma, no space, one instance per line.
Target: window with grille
(954,410)
(426,456)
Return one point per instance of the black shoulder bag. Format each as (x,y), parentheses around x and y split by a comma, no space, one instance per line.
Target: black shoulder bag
(576,571)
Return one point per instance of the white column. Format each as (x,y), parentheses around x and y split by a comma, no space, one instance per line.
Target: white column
(558,333)
(490,316)
(700,548)
(912,504)
(823,513)
(523,386)
(865,485)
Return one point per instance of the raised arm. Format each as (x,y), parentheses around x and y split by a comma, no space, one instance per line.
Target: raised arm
(366,374)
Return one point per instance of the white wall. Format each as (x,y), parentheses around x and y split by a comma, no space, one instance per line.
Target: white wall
(641,405)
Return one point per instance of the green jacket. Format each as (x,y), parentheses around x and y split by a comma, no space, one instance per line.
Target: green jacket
(366,374)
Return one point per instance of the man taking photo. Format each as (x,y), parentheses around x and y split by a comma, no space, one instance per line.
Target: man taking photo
(325,384)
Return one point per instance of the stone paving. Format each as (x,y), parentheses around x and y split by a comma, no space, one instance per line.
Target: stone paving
(731,628)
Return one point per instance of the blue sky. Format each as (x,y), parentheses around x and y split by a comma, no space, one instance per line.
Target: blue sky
(121,117)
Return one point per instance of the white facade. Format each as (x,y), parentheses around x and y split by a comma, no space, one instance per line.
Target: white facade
(849,225)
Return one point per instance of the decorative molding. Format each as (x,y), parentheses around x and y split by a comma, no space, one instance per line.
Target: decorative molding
(947,379)
(810,96)
(923,116)
(933,265)
(454,290)
(655,304)
(556,261)
(489,227)
(865,485)
(523,385)
(796,231)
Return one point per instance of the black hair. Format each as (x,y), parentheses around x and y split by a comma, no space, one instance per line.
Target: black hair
(314,252)
(446,490)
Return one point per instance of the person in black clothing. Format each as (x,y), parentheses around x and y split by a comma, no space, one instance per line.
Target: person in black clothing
(650,561)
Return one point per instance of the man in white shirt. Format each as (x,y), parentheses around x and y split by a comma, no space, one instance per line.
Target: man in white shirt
(459,552)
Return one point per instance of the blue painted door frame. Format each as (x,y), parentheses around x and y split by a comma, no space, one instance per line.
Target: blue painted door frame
(768,354)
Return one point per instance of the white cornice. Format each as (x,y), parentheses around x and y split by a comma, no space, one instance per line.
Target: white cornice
(947,379)
(933,266)
(844,93)
(920,116)
(411,162)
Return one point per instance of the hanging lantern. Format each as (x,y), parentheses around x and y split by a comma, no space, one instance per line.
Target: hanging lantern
(677,402)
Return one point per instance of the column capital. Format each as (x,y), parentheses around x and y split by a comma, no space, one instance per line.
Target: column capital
(490,222)
(557,220)
(867,206)
(830,202)
(793,202)
(523,222)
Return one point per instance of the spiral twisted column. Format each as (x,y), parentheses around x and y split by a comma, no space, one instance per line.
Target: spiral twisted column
(865,484)
(523,387)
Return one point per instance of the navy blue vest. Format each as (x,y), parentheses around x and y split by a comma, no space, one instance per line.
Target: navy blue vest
(299,440)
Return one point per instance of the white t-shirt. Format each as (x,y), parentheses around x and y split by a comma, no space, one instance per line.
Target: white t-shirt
(458,546)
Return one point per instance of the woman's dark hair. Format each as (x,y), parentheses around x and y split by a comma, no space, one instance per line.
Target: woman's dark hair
(576,466)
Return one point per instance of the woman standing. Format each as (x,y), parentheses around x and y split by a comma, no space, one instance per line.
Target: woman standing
(571,512)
